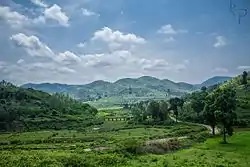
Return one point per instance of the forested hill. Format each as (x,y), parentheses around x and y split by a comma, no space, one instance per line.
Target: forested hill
(195,103)
(145,86)
(29,109)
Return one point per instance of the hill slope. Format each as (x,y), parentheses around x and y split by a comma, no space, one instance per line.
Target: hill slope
(29,109)
(242,96)
(145,86)
(243,99)
(215,80)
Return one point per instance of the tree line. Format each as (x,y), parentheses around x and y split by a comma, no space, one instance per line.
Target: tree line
(18,104)
(213,106)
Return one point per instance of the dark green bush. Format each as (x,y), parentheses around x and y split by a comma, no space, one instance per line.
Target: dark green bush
(200,137)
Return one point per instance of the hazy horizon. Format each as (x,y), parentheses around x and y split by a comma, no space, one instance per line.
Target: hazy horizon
(117,80)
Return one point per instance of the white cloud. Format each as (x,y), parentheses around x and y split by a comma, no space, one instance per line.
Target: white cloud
(34,47)
(170,39)
(68,58)
(179,67)
(70,67)
(86,12)
(243,67)
(220,70)
(186,61)
(168,29)
(2,65)
(39,3)
(154,65)
(108,35)
(20,61)
(220,42)
(81,45)
(55,13)
(17,20)
(14,19)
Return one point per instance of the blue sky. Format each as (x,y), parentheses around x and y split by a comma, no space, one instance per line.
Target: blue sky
(80,41)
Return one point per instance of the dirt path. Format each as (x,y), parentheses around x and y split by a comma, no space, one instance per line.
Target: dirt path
(164,139)
(216,130)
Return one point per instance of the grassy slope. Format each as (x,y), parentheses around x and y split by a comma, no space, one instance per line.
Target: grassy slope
(29,109)
(243,103)
(209,154)
(243,98)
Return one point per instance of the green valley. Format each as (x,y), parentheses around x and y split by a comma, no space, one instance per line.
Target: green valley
(41,129)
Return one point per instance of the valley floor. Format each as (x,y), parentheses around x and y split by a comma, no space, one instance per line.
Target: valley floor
(73,152)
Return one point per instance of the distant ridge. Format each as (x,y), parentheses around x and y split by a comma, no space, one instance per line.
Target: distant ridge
(140,87)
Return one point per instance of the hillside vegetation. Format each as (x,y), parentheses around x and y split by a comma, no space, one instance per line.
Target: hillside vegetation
(144,133)
(127,90)
(29,109)
(195,102)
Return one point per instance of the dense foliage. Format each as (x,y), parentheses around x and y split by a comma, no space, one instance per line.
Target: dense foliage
(22,108)
(127,90)
(150,112)
(220,105)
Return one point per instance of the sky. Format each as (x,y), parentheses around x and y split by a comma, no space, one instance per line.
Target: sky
(80,41)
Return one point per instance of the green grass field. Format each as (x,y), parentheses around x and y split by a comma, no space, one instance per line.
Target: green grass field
(208,154)
(104,145)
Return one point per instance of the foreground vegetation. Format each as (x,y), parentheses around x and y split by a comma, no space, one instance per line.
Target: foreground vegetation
(28,110)
(210,153)
(39,129)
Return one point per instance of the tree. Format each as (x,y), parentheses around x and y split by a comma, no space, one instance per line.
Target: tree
(198,101)
(153,109)
(244,78)
(163,110)
(203,88)
(197,105)
(209,112)
(225,103)
(174,104)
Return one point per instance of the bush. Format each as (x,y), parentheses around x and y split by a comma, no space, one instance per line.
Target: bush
(75,161)
(242,123)
(4,143)
(200,137)
(16,142)
(160,147)
(130,146)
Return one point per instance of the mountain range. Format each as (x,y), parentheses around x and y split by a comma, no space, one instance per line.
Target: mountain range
(145,86)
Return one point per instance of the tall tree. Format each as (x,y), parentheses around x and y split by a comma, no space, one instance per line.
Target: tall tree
(225,103)
(163,110)
(198,101)
(244,78)
(209,112)
(153,109)
(174,104)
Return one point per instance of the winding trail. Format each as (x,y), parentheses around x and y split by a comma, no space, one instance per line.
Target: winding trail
(216,130)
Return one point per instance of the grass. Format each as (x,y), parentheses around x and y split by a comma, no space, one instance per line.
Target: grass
(113,112)
(111,133)
(208,154)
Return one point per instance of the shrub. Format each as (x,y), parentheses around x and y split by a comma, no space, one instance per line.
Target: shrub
(130,146)
(16,142)
(4,143)
(160,147)
(200,137)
